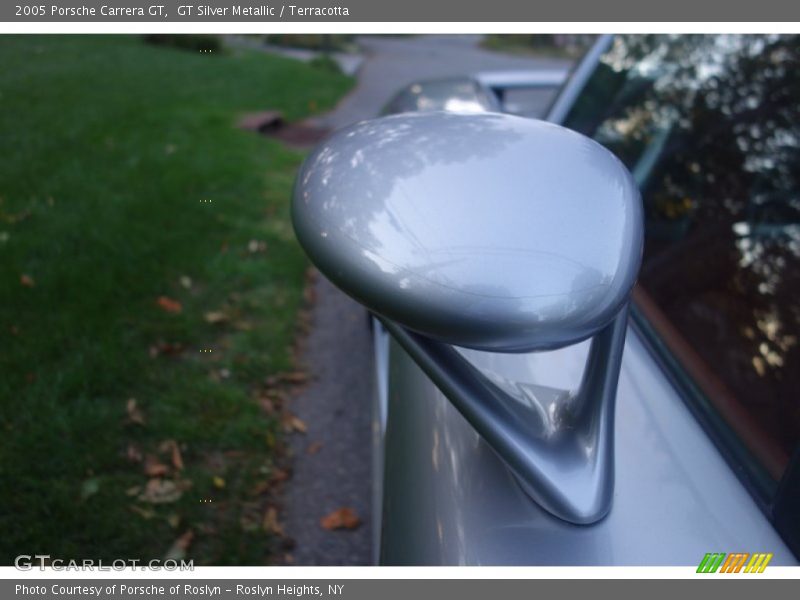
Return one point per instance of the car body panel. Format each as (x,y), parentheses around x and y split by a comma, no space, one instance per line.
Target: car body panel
(449,500)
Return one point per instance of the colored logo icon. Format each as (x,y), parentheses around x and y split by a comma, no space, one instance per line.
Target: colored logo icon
(735,562)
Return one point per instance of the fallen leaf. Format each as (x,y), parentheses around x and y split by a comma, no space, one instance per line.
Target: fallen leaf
(293,423)
(313,448)
(260,488)
(169,305)
(26,280)
(162,491)
(145,513)
(89,488)
(175,455)
(295,377)
(135,415)
(154,467)
(179,547)
(166,348)
(309,295)
(256,246)
(133,453)
(342,518)
(270,523)
(279,475)
(219,482)
(216,316)
(267,405)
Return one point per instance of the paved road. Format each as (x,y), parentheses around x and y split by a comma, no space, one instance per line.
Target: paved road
(336,406)
(393,62)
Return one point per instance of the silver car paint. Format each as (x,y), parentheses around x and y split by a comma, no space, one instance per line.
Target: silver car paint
(442,497)
(448,499)
(487,231)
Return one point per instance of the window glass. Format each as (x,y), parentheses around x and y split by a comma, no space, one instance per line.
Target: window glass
(710,128)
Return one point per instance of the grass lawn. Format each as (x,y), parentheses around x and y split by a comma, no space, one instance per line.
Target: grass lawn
(149,286)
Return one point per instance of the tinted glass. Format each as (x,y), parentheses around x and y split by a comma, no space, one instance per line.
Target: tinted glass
(710,128)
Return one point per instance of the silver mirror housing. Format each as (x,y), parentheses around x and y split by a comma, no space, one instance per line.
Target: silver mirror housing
(486,231)
(496,233)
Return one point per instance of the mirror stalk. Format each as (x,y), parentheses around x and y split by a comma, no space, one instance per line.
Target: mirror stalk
(568,467)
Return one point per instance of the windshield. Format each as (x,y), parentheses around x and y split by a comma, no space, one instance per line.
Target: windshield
(709,126)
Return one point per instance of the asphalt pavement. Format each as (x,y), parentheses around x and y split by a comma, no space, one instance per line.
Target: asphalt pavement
(336,405)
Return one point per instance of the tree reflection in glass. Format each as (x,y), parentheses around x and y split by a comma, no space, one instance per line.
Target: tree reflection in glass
(709,127)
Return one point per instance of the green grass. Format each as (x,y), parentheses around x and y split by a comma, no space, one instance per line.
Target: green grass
(108,146)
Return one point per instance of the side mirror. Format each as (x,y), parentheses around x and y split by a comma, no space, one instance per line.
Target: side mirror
(497,233)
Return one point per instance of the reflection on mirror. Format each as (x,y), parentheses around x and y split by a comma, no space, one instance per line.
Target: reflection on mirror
(482,230)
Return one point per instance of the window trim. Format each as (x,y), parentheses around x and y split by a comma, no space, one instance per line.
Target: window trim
(751,454)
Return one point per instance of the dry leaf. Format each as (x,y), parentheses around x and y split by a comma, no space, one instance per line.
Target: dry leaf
(162,491)
(145,513)
(135,415)
(270,522)
(295,377)
(216,316)
(255,246)
(343,518)
(26,280)
(260,488)
(313,448)
(219,482)
(171,447)
(243,326)
(166,348)
(266,405)
(179,547)
(292,422)
(169,305)
(279,476)
(133,453)
(154,467)
(177,459)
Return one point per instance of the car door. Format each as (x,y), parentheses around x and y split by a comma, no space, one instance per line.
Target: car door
(692,476)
